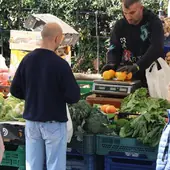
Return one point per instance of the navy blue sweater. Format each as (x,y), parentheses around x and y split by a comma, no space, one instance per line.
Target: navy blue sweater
(46,83)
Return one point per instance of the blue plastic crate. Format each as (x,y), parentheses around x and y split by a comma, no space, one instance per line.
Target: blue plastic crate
(120,163)
(166,45)
(80,162)
(166,49)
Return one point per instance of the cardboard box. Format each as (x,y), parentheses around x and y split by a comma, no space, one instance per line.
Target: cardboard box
(24,40)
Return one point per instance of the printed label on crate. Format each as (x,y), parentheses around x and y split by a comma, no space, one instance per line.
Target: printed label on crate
(4,132)
(132,154)
(69,149)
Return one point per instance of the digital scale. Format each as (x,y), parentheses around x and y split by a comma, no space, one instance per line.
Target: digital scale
(114,87)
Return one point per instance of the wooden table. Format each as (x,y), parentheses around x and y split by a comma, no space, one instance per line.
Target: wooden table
(93,99)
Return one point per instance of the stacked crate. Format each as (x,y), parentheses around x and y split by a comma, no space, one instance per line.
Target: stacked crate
(125,153)
(14,156)
(81,154)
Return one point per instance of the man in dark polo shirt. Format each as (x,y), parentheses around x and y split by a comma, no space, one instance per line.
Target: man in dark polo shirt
(46,83)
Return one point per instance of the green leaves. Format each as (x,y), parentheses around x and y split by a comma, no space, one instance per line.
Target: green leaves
(148,126)
(87,119)
(11,109)
(139,102)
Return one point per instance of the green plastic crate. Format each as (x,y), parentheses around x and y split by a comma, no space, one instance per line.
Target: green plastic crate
(86,147)
(106,145)
(14,158)
(11,168)
(87,89)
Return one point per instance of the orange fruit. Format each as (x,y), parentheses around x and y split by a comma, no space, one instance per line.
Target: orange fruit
(107,75)
(112,72)
(121,76)
(103,108)
(129,76)
(116,74)
(111,109)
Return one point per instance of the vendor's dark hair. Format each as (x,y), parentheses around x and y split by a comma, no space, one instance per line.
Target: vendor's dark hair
(128,3)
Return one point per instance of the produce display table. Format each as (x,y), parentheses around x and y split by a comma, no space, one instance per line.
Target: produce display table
(93,99)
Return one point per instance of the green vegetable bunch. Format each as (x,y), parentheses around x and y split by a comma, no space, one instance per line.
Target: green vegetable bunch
(148,126)
(12,109)
(87,119)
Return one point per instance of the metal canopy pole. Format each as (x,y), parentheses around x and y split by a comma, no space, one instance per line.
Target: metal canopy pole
(96,13)
(97,38)
(161,12)
(1,39)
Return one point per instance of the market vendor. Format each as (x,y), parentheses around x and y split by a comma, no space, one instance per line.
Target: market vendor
(136,41)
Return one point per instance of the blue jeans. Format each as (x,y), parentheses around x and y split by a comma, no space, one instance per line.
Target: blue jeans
(46,141)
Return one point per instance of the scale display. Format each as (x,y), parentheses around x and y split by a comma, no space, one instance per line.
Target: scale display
(111,88)
(114,87)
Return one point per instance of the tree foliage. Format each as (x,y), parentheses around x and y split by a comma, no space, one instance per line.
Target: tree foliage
(81,14)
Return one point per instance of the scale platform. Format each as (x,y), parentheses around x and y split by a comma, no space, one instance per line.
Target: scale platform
(114,87)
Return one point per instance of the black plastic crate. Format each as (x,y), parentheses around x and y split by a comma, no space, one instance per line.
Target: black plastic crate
(80,162)
(87,146)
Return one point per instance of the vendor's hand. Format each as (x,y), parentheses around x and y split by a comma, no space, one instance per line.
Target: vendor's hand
(129,68)
(108,67)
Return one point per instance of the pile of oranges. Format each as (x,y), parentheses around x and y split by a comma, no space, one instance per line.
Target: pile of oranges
(108,109)
(121,76)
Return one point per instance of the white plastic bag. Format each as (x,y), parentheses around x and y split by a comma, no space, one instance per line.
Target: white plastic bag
(69,126)
(2,148)
(2,63)
(4,75)
(168,8)
(158,78)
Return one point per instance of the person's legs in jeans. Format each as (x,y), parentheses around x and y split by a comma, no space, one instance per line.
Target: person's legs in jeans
(34,146)
(55,136)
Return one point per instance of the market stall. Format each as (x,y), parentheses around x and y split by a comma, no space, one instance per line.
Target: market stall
(131,131)
(123,124)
